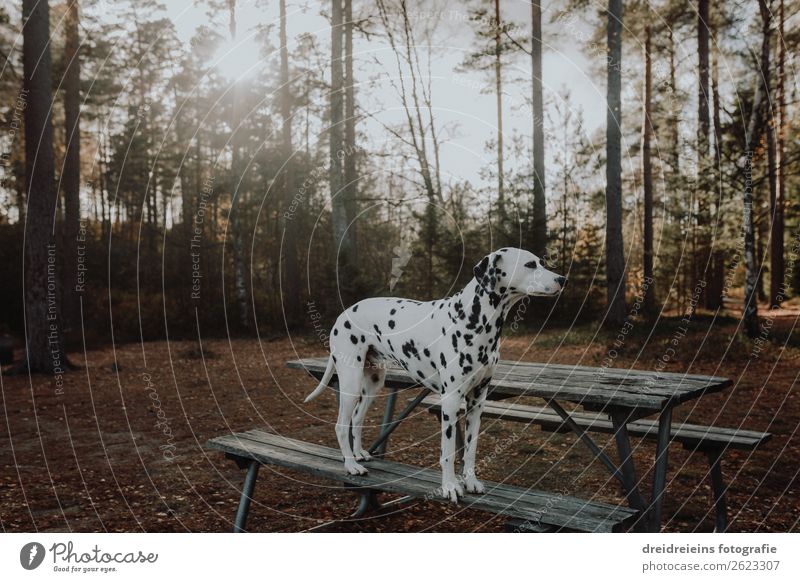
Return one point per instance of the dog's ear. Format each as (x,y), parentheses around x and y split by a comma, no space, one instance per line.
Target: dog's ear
(480,269)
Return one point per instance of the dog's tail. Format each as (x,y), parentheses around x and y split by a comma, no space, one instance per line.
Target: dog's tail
(326,377)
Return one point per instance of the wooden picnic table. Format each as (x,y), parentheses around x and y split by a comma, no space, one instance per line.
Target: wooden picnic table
(625,395)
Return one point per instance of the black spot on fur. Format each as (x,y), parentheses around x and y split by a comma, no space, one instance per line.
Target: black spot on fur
(442,359)
(393,311)
(377,329)
(427,352)
(347,324)
(391,324)
(449,432)
(363,339)
(335,331)
(354,339)
(409,349)
(355,308)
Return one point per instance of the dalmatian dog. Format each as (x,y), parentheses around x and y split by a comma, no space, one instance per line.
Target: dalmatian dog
(451,346)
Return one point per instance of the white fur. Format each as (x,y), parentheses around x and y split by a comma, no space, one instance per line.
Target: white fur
(450,346)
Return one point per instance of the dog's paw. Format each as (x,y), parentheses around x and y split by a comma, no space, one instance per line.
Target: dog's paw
(363,456)
(472,485)
(452,491)
(354,468)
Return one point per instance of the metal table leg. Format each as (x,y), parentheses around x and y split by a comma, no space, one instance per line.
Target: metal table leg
(388,413)
(660,473)
(390,428)
(718,486)
(247,495)
(369,498)
(627,467)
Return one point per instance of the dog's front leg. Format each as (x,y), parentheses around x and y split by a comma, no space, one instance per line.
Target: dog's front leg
(451,488)
(475,402)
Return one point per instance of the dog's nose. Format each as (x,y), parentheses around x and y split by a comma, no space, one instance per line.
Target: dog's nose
(561,281)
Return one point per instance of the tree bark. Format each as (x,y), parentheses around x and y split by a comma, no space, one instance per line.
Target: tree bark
(675,143)
(703,219)
(716,285)
(237,198)
(750,308)
(71,175)
(777,269)
(498,86)
(290,257)
(647,174)
(350,177)
(43,338)
(615,259)
(539,238)
(342,243)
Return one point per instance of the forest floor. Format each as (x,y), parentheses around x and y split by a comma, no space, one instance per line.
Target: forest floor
(121,449)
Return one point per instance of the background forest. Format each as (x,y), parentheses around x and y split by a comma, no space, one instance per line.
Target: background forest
(232,166)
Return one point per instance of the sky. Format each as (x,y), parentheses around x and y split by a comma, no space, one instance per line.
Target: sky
(465,110)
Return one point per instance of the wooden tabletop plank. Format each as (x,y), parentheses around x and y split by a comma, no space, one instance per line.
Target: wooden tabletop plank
(591,387)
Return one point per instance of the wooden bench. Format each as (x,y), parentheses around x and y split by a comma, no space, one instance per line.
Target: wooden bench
(534,510)
(711,440)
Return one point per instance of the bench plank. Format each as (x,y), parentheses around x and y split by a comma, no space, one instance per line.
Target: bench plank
(691,436)
(558,511)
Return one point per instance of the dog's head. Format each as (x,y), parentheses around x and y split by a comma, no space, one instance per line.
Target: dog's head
(517,272)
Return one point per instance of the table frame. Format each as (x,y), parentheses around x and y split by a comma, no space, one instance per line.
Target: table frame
(624,472)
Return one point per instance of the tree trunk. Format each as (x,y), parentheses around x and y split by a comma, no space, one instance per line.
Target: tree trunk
(675,142)
(750,308)
(539,238)
(615,259)
(71,175)
(498,85)
(647,174)
(292,284)
(716,284)
(777,179)
(237,198)
(343,252)
(350,177)
(43,339)
(703,220)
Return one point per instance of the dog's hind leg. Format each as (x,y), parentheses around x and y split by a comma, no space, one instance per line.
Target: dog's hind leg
(350,379)
(475,401)
(371,383)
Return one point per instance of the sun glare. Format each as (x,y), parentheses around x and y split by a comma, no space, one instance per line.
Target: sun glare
(239,59)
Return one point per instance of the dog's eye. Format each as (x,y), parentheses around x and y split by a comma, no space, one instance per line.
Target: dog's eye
(531,265)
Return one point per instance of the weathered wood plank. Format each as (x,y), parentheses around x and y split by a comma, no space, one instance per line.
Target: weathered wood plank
(594,387)
(432,478)
(691,436)
(535,506)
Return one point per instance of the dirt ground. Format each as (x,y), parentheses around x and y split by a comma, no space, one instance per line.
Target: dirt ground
(121,449)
